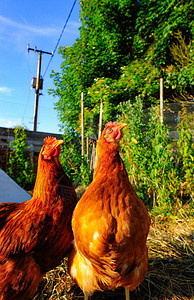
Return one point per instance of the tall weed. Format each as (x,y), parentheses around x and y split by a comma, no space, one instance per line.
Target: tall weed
(186,157)
(74,165)
(152,163)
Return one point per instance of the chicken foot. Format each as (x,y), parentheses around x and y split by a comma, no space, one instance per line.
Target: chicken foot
(127,295)
(85,296)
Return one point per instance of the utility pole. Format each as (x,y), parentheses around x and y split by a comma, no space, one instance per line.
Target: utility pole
(38,84)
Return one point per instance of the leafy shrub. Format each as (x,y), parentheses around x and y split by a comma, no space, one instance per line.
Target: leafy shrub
(156,170)
(161,163)
(74,165)
(186,158)
(20,165)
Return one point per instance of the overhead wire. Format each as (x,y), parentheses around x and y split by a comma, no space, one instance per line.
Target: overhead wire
(26,106)
(65,25)
(28,98)
(59,38)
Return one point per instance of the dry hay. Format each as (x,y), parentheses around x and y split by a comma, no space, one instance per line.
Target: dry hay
(171,265)
(170,274)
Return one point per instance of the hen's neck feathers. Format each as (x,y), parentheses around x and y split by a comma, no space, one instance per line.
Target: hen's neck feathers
(107,154)
(49,175)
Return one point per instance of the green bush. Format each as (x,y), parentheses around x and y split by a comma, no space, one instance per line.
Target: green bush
(186,158)
(74,165)
(20,167)
(156,170)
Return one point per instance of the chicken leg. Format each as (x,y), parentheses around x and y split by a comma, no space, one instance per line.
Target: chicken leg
(85,296)
(127,295)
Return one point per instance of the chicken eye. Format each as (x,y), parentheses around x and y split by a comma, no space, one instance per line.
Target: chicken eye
(109,130)
(47,147)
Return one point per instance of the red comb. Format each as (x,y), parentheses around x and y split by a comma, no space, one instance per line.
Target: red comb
(49,140)
(111,124)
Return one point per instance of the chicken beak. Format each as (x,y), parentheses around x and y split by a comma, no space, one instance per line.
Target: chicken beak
(58,143)
(122,125)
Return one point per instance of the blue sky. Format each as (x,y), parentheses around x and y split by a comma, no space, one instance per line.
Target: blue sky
(38,23)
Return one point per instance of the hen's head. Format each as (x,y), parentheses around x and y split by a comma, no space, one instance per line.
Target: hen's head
(51,148)
(113,131)
(111,135)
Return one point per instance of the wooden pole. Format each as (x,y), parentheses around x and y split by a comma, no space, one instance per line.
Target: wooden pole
(82,123)
(100,119)
(93,157)
(37,88)
(87,148)
(161,100)
(37,91)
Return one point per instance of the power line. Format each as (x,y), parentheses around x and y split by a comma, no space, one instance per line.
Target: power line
(60,37)
(26,106)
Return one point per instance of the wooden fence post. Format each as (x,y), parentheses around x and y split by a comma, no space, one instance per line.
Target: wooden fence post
(87,148)
(82,123)
(100,119)
(161,100)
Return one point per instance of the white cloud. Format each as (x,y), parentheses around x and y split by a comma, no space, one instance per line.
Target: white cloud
(43,31)
(8,123)
(5,90)
(37,30)
(71,26)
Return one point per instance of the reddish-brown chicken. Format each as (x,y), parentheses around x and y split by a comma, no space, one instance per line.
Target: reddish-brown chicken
(35,235)
(110,225)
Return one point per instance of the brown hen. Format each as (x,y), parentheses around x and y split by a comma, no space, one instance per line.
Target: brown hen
(110,225)
(35,235)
